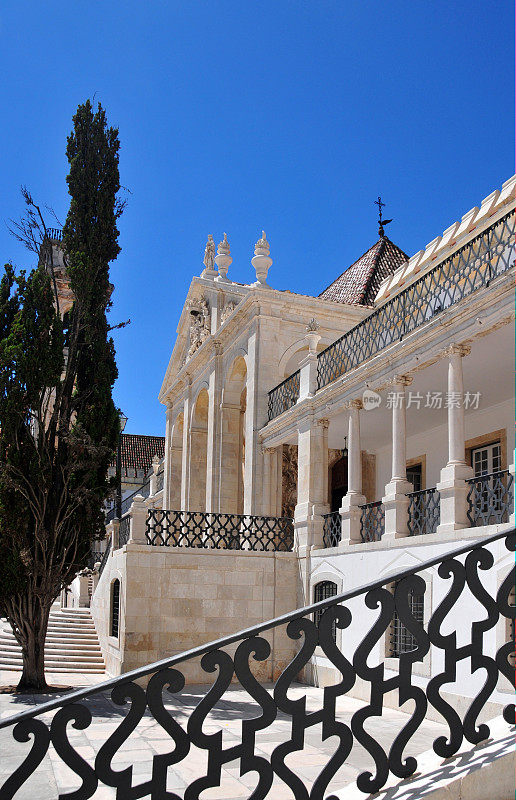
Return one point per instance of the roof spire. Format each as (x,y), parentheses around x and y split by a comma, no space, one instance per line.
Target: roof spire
(381,222)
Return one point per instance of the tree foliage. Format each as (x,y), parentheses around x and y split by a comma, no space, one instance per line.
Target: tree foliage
(58,422)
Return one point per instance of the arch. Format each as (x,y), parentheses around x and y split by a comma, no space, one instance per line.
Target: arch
(198,452)
(232,440)
(114,616)
(289,361)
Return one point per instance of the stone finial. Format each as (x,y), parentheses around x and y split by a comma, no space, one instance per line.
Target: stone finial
(261,261)
(155,464)
(223,259)
(262,247)
(209,258)
(312,336)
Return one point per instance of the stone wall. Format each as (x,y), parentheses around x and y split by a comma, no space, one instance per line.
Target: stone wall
(174,599)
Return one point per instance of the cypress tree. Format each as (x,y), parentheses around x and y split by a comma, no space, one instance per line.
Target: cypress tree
(59,425)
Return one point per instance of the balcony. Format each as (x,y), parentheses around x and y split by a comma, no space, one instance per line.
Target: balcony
(470,268)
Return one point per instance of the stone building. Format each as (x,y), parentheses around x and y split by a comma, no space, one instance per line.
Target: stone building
(314,441)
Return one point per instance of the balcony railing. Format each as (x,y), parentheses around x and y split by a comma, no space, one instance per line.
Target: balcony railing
(490,498)
(159,481)
(218,531)
(284,396)
(471,267)
(332,529)
(124,530)
(128,501)
(55,234)
(459,642)
(105,557)
(424,511)
(372,521)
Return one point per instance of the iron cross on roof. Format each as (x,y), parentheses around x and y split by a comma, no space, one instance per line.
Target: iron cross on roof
(381,222)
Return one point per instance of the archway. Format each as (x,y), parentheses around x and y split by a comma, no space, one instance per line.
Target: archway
(232,451)
(198,448)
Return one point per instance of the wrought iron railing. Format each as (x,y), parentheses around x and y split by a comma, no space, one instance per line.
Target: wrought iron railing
(490,498)
(372,521)
(128,501)
(332,529)
(474,265)
(55,234)
(105,557)
(284,396)
(94,557)
(459,638)
(424,511)
(219,531)
(123,530)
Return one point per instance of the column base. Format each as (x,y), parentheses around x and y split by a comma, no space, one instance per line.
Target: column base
(396,503)
(309,525)
(453,491)
(351,514)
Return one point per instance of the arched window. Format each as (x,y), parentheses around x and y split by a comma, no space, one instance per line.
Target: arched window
(115,607)
(322,591)
(401,640)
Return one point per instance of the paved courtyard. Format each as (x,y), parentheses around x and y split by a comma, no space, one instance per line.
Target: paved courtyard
(53,777)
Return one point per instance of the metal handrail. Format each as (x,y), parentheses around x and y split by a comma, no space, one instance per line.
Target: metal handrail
(245,633)
(396,310)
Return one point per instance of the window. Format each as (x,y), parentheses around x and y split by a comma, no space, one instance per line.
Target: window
(486,459)
(115,607)
(402,641)
(415,476)
(322,591)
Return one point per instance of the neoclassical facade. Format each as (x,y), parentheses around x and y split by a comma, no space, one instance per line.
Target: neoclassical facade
(313,442)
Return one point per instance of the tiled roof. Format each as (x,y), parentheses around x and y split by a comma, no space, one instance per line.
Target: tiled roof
(138,450)
(359,283)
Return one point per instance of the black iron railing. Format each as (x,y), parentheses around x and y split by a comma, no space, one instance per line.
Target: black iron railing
(424,511)
(459,639)
(94,557)
(490,498)
(128,501)
(55,234)
(332,529)
(124,530)
(105,557)
(471,267)
(284,396)
(219,531)
(372,521)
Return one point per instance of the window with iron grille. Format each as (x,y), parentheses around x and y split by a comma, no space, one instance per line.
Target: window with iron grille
(401,640)
(115,607)
(322,591)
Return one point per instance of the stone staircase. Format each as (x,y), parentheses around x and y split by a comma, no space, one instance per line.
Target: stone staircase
(71,645)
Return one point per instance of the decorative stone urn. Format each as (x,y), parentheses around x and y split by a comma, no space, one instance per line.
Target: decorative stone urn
(223,259)
(312,336)
(261,261)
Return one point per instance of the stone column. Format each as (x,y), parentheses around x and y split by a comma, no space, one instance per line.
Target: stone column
(396,502)
(154,477)
(312,453)
(269,479)
(168,476)
(452,487)
(185,456)
(197,469)
(230,458)
(214,431)
(308,366)
(138,522)
(350,510)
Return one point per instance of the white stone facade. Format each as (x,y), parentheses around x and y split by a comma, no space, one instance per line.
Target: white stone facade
(226,454)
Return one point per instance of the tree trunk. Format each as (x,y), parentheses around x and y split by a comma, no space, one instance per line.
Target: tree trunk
(31,634)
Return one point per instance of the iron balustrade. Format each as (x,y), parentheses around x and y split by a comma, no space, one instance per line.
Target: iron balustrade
(490,498)
(54,234)
(332,529)
(284,396)
(127,502)
(462,573)
(372,521)
(94,557)
(218,531)
(471,267)
(124,530)
(424,511)
(105,557)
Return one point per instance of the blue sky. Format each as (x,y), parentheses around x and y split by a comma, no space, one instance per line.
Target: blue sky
(235,116)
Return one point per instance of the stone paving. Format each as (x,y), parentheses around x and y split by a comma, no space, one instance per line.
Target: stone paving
(149,738)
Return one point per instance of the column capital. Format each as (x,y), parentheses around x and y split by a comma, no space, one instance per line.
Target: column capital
(355,404)
(455,349)
(401,380)
(216,347)
(268,450)
(324,423)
